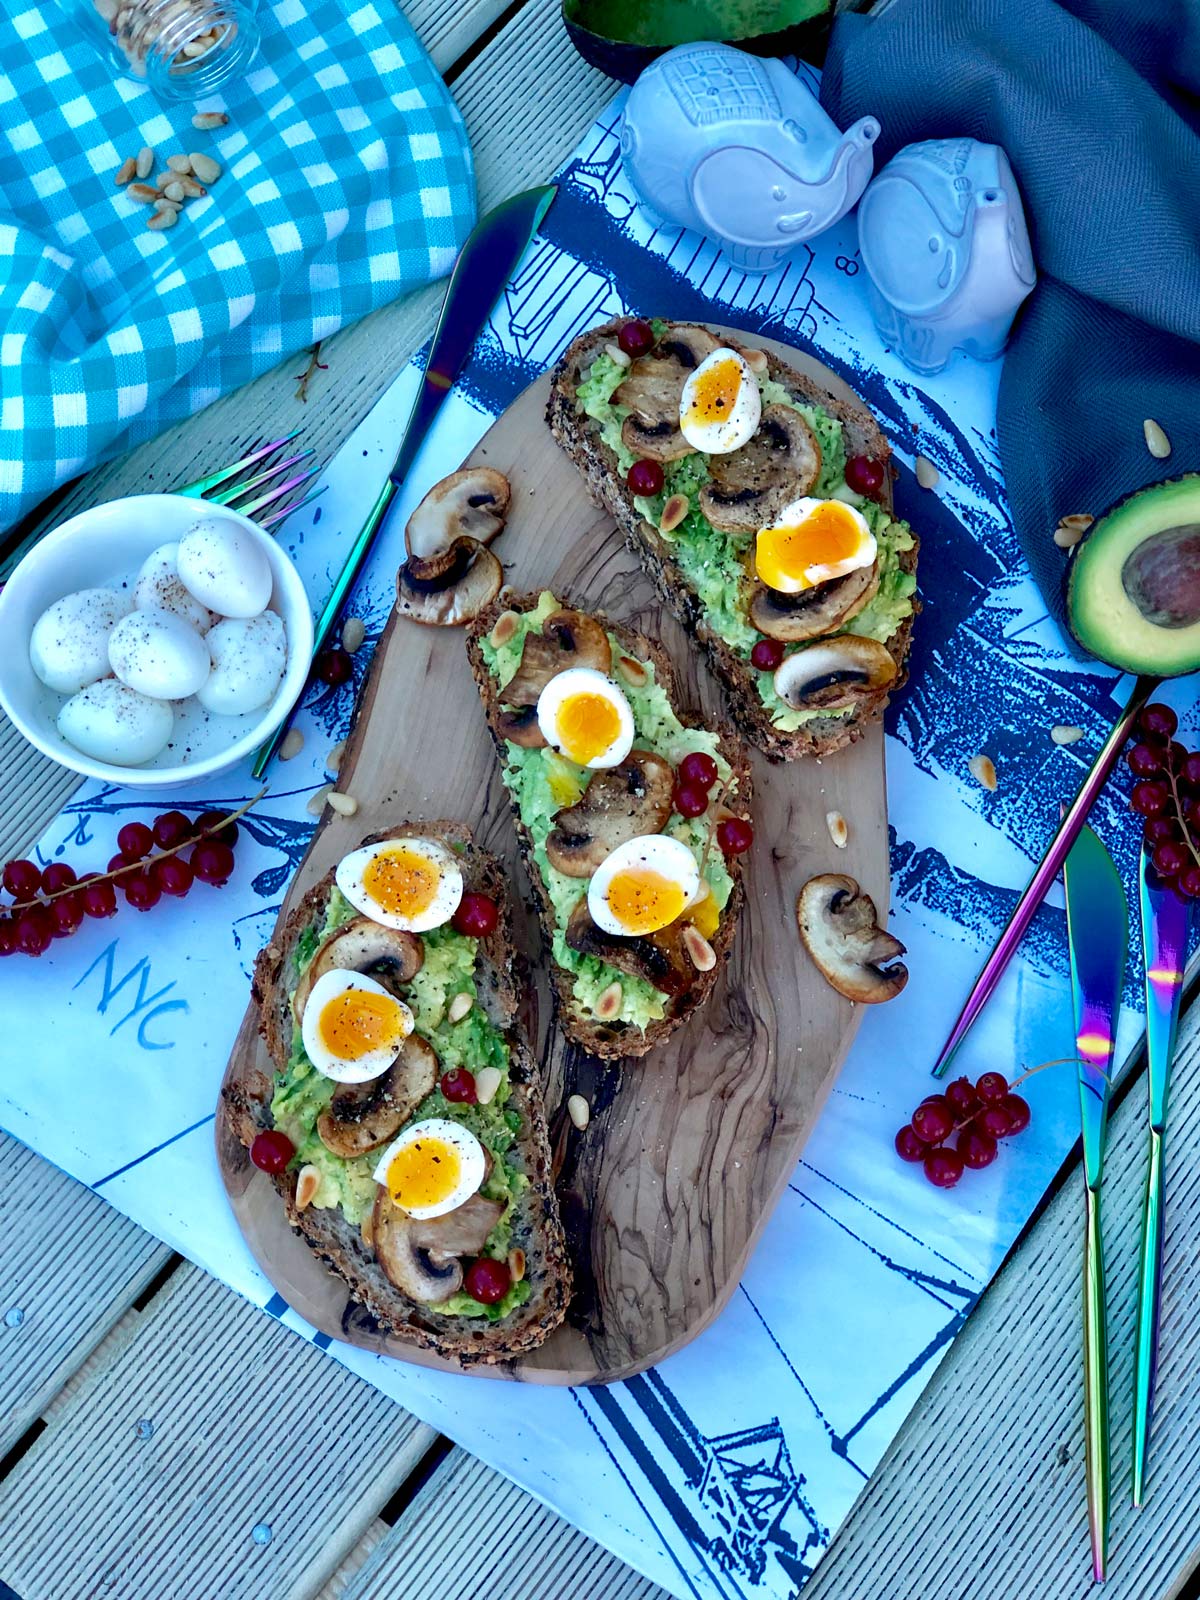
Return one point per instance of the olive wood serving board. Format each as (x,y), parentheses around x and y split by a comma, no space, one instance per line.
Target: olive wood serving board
(688,1149)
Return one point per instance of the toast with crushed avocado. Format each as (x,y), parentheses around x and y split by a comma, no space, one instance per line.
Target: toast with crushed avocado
(389,1261)
(616,996)
(604,412)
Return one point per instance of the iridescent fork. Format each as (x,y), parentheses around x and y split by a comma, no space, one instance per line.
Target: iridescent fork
(230,486)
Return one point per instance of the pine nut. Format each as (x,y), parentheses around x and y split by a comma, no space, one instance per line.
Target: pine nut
(333,760)
(174,191)
(579,1111)
(163,219)
(354,631)
(316,802)
(608,1003)
(701,954)
(142,192)
(307,1183)
(615,353)
(927,474)
(344,804)
(1071,529)
(204,120)
(503,629)
(126,172)
(757,361)
(634,672)
(1063,733)
(460,1006)
(368,1230)
(516,1265)
(145,161)
(205,168)
(838,830)
(181,164)
(983,769)
(487,1081)
(293,743)
(1157,442)
(673,513)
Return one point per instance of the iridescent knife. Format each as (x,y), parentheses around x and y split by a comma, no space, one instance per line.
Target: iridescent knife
(1097,924)
(494,247)
(1164,943)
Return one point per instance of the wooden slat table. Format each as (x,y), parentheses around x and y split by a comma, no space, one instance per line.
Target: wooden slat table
(163,1438)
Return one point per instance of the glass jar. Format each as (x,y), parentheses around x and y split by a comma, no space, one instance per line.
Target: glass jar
(184,49)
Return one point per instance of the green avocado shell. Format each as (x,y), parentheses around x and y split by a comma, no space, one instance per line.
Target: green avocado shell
(1133,587)
(622,37)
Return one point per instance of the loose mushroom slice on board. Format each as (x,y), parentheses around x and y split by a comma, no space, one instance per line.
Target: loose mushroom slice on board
(363,1116)
(389,955)
(813,612)
(749,487)
(659,960)
(620,803)
(841,933)
(567,639)
(449,575)
(843,671)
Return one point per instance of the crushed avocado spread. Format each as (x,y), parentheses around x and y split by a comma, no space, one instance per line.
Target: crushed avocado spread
(713,562)
(542,783)
(302,1093)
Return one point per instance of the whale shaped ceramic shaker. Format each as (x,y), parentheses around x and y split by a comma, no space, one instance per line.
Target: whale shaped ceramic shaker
(943,238)
(740,149)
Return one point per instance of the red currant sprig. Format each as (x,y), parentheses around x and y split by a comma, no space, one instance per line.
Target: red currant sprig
(1167,798)
(975,1115)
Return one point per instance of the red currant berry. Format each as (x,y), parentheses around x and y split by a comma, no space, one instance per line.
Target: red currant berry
(933,1120)
(698,770)
(66,913)
(123,867)
(173,875)
(8,936)
(864,475)
(487,1281)
(1149,799)
(766,655)
(976,1149)
(1189,770)
(99,898)
(35,929)
(141,891)
(645,479)
(993,1120)
(636,337)
(1016,1107)
(334,667)
(476,916)
(943,1167)
(459,1086)
(170,829)
(991,1087)
(271,1151)
(1159,721)
(735,836)
(1170,858)
(1144,761)
(208,820)
(22,879)
(962,1099)
(1176,756)
(1159,828)
(135,841)
(58,875)
(1189,882)
(212,862)
(689,802)
(909,1144)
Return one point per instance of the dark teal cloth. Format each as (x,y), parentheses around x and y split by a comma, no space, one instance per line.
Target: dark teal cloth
(1097,104)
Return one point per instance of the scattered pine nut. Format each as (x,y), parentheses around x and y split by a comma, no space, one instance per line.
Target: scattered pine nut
(1157,442)
(126,172)
(145,161)
(204,120)
(615,353)
(354,631)
(1071,529)
(503,629)
(1063,733)
(316,802)
(756,360)
(307,1183)
(487,1081)
(368,1230)
(167,218)
(838,830)
(193,190)
(459,1007)
(293,743)
(928,475)
(634,672)
(174,191)
(983,769)
(579,1111)
(181,164)
(673,513)
(333,761)
(165,204)
(142,192)
(205,168)
(608,1002)
(700,953)
(344,804)
(516,1264)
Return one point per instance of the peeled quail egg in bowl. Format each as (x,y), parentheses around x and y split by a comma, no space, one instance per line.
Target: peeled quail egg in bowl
(153,641)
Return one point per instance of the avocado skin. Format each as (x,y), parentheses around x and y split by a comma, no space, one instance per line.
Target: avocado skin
(1102,614)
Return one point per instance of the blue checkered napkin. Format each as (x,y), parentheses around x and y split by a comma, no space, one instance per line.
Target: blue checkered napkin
(347,182)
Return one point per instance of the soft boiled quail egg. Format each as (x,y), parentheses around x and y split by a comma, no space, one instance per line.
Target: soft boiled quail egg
(402,883)
(248,657)
(68,647)
(159,584)
(111,722)
(353,1027)
(158,653)
(433,1167)
(721,405)
(643,885)
(812,542)
(585,717)
(224,567)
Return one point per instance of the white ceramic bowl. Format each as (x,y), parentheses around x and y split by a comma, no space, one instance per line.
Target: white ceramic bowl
(106,546)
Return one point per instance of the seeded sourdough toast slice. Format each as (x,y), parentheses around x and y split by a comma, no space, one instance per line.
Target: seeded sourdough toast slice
(578,435)
(536,1226)
(602,1039)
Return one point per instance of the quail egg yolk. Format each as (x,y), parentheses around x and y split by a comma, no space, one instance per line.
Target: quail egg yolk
(714,393)
(425,1172)
(588,725)
(829,534)
(358,1021)
(643,901)
(401,882)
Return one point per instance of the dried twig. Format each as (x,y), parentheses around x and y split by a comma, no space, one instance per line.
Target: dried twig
(315,365)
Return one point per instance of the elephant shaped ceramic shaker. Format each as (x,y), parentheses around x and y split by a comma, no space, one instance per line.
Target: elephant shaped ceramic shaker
(943,238)
(740,149)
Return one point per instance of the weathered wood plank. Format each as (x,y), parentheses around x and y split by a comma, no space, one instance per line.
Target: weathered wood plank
(70,1266)
(983,1492)
(469,1534)
(218,1454)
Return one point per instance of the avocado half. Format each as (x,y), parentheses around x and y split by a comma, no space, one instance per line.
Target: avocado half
(1133,593)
